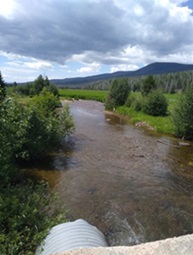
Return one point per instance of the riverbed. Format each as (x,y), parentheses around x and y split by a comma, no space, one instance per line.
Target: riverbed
(121,178)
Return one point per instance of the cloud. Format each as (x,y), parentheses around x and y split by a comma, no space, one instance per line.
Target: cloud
(91,68)
(38,64)
(96,32)
(124,68)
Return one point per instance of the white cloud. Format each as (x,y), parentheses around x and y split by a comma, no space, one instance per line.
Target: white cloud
(90,68)
(124,68)
(38,64)
(7,8)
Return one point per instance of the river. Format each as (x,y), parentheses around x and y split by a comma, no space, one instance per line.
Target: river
(121,179)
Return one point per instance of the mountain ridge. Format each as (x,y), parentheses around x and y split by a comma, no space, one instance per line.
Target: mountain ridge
(151,69)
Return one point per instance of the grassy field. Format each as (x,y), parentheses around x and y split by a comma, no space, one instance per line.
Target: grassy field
(98,95)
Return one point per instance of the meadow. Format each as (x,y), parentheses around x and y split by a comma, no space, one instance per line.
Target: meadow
(98,95)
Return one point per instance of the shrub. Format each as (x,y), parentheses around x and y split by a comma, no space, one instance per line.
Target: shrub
(25,218)
(182,115)
(45,102)
(156,104)
(136,101)
(130,99)
(138,104)
(29,132)
(118,93)
(109,103)
(148,85)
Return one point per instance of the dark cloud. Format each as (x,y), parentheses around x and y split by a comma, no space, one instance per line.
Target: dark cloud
(56,30)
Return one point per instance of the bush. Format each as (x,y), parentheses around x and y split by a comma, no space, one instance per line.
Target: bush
(109,103)
(29,132)
(45,102)
(182,115)
(25,218)
(135,100)
(156,104)
(118,93)
(130,99)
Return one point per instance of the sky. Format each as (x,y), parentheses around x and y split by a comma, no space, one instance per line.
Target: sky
(77,38)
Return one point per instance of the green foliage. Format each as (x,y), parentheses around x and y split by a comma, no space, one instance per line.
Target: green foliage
(66,124)
(160,124)
(118,93)
(149,84)
(182,115)
(13,124)
(25,218)
(109,103)
(136,101)
(35,88)
(27,131)
(46,102)
(53,89)
(2,89)
(156,104)
(39,84)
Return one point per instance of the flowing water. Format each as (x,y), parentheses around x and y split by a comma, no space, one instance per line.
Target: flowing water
(122,179)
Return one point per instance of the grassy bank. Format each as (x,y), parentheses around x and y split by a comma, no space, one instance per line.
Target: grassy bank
(98,95)
(160,124)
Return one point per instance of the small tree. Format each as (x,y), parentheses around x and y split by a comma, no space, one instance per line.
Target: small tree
(38,84)
(156,104)
(118,93)
(149,84)
(183,115)
(2,88)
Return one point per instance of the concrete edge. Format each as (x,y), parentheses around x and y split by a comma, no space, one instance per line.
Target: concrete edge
(182,245)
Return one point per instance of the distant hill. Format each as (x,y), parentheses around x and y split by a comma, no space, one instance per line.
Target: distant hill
(151,69)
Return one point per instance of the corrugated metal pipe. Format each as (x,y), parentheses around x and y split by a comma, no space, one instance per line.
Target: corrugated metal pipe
(70,236)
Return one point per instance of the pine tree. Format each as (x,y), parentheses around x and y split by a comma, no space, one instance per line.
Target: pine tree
(2,88)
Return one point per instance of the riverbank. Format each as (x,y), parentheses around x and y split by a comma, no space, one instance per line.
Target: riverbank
(182,245)
(160,124)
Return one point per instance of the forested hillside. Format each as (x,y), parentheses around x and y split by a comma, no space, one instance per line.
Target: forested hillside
(102,81)
(170,83)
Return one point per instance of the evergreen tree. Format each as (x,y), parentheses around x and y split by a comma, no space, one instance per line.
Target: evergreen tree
(2,88)
(149,84)
(118,94)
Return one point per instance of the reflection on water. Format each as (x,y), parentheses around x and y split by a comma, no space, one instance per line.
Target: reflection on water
(122,179)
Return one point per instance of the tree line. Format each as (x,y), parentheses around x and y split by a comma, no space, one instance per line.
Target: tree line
(169,83)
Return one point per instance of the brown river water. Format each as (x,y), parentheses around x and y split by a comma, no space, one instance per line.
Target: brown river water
(121,179)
